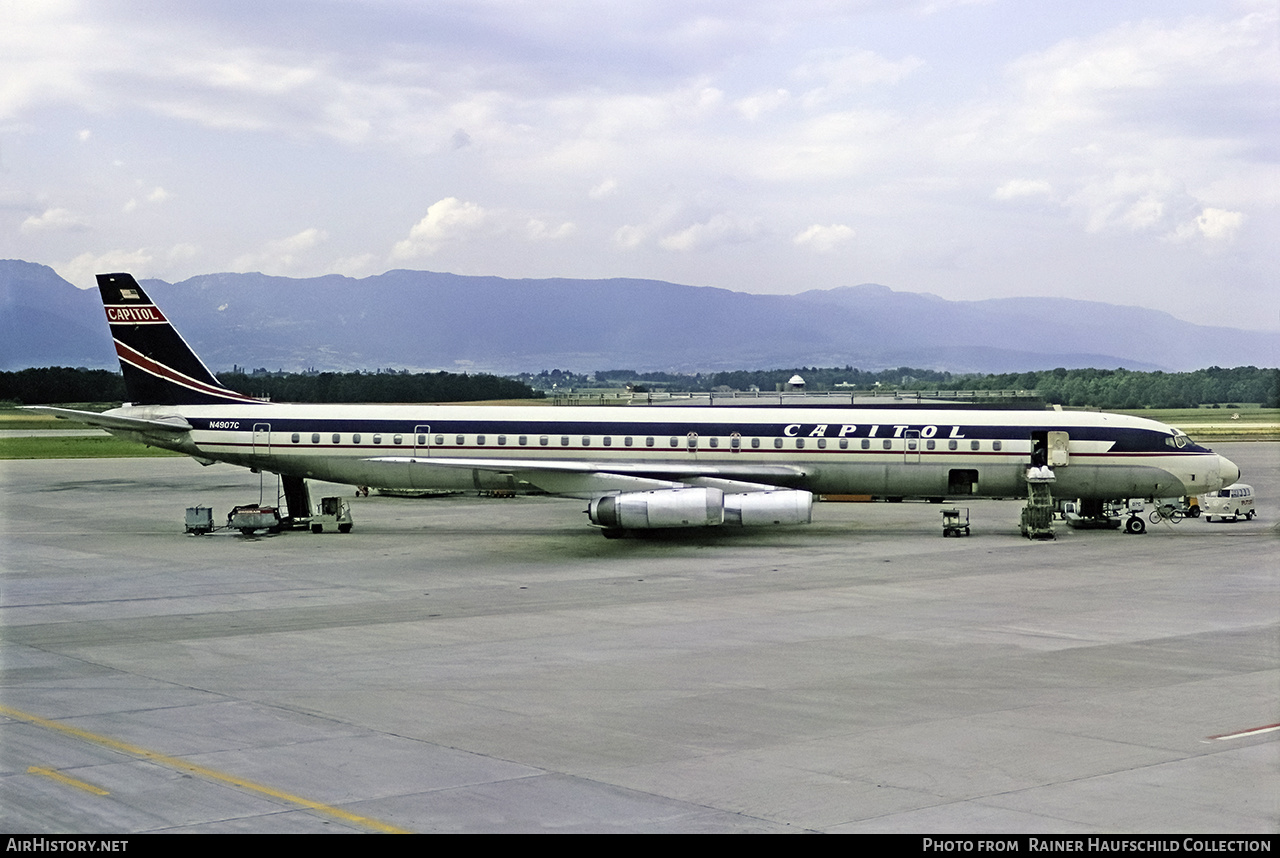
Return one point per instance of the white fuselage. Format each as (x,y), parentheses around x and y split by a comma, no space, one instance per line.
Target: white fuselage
(891,452)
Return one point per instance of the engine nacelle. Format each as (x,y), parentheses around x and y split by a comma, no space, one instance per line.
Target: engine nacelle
(693,507)
(700,507)
(760,509)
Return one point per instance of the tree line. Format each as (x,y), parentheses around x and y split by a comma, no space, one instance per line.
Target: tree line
(1086,388)
(64,384)
(1089,388)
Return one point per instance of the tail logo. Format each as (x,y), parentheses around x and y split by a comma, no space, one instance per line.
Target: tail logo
(149,315)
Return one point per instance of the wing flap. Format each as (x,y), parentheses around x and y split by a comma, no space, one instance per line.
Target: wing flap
(590,479)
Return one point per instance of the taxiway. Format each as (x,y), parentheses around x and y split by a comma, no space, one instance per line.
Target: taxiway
(484,665)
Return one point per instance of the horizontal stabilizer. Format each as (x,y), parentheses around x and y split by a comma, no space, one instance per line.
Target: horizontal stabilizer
(110,421)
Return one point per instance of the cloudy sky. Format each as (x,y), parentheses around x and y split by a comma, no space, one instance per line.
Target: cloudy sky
(1118,151)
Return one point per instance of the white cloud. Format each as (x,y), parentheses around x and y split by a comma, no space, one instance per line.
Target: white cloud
(604,189)
(55,220)
(1219,224)
(720,229)
(282,256)
(630,236)
(842,74)
(539,230)
(824,239)
(1216,226)
(1015,188)
(81,271)
(754,106)
(446,220)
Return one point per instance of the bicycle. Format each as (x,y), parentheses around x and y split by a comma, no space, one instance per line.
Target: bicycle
(1163,511)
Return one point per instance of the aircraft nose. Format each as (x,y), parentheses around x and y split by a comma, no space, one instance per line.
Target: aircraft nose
(1228,471)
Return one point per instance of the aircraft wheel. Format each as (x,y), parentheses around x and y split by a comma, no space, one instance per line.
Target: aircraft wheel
(317,528)
(1135,525)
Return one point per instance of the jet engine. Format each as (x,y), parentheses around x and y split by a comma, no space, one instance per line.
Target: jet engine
(757,509)
(700,507)
(694,507)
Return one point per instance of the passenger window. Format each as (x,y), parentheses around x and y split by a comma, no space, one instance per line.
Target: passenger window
(502,440)
(866,443)
(822,443)
(439,440)
(543,441)
(586,440)
(626,442)
(460,440)
(755,443)
(422,440)
(315,437)
(930,444)
(337,438)
(777,442)
(648,442)
(355,439)
(715,442)
(953,445)
(844,443)
(295,438)
(675,442)
(995,445)
(608,441)
(974,445)
(888,445)
(398,439)
(480,440)
(377,439)
(524,439)
(799,443)
(564,440)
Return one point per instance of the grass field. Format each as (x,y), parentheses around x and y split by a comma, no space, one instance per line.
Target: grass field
(1253,423)
(94,447)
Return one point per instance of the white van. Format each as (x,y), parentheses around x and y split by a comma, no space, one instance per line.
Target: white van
(1234,502)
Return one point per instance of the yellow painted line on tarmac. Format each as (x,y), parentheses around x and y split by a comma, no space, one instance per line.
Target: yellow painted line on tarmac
(202,771)
(66,779)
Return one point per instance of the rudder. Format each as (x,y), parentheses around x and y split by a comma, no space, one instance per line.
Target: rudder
(159,367)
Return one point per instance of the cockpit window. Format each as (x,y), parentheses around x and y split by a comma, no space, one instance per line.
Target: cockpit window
(1178,440)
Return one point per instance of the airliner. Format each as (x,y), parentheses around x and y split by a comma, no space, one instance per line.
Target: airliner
(639,468)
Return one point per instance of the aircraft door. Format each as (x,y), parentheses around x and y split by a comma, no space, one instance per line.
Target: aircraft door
(421,441)
(261,439)
(1052,448)
(911,447)
(1059,449)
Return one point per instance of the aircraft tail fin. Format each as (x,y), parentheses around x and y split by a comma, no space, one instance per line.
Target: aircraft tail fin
(159,367)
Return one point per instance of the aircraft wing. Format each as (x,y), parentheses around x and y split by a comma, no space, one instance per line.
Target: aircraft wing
(175,425)
(587,479)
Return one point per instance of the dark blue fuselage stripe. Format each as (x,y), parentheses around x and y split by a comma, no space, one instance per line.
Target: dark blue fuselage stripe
(1123,439)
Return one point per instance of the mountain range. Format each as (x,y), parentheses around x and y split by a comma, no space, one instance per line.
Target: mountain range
(423,320)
